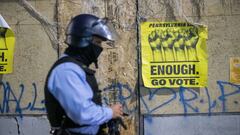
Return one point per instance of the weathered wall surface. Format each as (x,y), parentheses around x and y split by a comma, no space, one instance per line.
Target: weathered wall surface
(193,125)
(118,66)
(185,111)
(221,18)
(21,92)
(179,111)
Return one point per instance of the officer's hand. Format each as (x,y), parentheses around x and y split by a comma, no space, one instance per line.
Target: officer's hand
(117,110)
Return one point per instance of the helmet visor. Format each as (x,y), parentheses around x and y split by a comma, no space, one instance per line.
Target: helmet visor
(104,29)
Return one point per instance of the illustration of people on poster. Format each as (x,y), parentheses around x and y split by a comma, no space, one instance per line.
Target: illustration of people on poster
(173,54)
(7,42)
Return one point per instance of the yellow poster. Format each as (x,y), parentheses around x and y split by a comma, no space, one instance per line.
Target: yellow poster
(173,54)
(235,70)
(7,41)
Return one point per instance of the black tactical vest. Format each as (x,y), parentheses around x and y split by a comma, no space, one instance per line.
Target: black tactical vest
(55,112)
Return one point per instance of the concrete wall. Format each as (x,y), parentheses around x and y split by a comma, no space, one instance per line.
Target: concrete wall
(192,125)
(192,111)
(211,110)
(21,92)
(28,125)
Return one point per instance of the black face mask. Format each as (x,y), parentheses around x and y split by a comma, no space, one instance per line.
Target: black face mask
(86,55)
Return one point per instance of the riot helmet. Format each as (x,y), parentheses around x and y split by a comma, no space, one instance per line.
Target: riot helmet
(82,28)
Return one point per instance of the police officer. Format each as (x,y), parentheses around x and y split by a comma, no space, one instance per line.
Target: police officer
(72,97)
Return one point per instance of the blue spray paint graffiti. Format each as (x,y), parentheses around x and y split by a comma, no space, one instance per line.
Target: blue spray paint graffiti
(9,97)
(126,95)
(186,102)
(224,96)
(151,96)
(211,104)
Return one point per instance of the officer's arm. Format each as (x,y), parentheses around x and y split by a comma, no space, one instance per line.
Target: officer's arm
(75,96)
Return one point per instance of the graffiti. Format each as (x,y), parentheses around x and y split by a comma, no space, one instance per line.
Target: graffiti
(186,96)
(211,104)
(120,93)
(185,101)
(224,96)
(11,100)
(151,95)
(192,97)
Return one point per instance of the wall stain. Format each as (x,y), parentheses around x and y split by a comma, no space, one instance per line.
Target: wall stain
(170,16)
(197,8)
